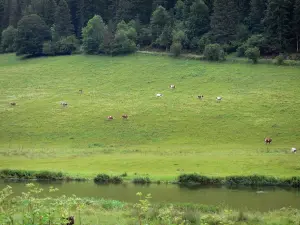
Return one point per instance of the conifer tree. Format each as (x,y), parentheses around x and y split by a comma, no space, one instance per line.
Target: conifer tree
(48,13)
(224,21)
(296,23)
(256,15)
(63,24)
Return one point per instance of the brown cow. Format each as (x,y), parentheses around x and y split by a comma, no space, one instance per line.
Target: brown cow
(124,116)
(268,140)
(110,117)
(13,103)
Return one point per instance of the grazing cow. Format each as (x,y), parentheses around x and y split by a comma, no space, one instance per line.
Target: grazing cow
(110,118)
(268,140)
(293,150)
(159,95)
(200,97)
(172,86)
(13,103)
(64,103)
(69,221)
(219,99)
(124,116)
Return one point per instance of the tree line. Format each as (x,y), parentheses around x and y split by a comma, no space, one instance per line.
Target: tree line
(54,27)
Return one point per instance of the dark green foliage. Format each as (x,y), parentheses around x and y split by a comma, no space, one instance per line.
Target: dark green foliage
(257,14)
(159,20)
(46,175)
(204,40)
(8,39)
(32,32)
(198,179)
(296,23)
(176,48)
(66,45)
(253,54)
(102,178)
(279,60)
(63,24)
(124,40)
(277,24)
(48,11)
(197,21)
(159,23)
(24,174)
(105,179)
(141,180)
(214,52)
(93,35)
(224,21)
(48,48)
(254,180)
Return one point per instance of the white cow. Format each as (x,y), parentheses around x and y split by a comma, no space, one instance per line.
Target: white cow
(159,95)
(219,99)
(64,103)
(293,150)
(172,86)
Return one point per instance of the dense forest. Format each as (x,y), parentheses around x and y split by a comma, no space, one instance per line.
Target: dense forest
(54,27)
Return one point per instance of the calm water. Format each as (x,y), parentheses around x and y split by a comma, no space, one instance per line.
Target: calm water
(262,199)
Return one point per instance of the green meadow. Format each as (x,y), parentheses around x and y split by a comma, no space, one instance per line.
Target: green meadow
(162,137)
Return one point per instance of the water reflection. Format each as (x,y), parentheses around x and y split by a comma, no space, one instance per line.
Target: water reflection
(262,199)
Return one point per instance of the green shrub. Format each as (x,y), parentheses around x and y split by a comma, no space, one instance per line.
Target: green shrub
(48,48)
(197,179)
(254,180)
(19,174)
(279,60)
(240,52)
(253,54)
(124,174)
(214,52)
(102,178)
(204,40)
(176,48)
(8,39)
(47,175)
(66,45)
(116,180)
(141,180)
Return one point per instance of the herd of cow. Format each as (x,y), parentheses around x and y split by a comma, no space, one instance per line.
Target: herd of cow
(267,140)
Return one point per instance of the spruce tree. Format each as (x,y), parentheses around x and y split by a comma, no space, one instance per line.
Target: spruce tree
(256,15)
(63,24)
(224,21)
(277,24)
(48,13)
(159,19)
(14,13)
(198,21)
(296,23)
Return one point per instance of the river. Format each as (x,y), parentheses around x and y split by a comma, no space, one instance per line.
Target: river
(260,199)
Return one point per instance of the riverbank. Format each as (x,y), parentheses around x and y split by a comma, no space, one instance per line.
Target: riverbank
(182,179)
(93,211)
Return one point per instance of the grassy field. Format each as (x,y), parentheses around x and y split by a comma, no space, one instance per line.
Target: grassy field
(162,137)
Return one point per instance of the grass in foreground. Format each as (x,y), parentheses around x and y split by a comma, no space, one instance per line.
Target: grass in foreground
(163,137)
(30,208)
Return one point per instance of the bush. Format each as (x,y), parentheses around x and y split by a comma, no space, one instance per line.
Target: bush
(47,175)
(66,45)
(240,52)
(214,52)
(254,180)
(198,179)
(116,180)
(19,174)
(176,48)
(105,179)
(253,54)
(8,39)
(102,178)
(48,48)
(141,180)
(204,40)
(279,60)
